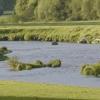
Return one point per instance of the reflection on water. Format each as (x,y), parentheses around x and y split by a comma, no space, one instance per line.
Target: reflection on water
(72,56)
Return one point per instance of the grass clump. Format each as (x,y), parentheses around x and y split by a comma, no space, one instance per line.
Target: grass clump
(96,41)
(3,57)
(91,69)
(54,63)
(4,50)
(19,66)
(38,64)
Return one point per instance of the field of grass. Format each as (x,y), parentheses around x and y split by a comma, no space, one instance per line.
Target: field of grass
(10,90)
(50,33)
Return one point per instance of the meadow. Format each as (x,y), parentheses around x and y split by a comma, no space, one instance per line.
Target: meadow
(71,33)
(63,33)
(12,90)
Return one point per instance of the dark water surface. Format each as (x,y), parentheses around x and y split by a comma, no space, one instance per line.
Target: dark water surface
(72,56)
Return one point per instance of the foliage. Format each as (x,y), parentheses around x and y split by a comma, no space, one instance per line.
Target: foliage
(71,34)
(19,66)
(3,51)
(52,10)
(3,57)
(54,63)
(93,69)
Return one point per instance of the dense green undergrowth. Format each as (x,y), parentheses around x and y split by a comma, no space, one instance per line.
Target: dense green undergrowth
(72,34)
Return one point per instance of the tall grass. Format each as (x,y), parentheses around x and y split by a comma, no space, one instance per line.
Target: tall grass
(53,33)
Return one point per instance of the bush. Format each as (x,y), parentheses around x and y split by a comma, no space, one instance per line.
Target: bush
(3,58)
(13,62)
(91,69)
(54,63)
(38,64)
(4,50)
(96,41)
(28,66)
(19,66)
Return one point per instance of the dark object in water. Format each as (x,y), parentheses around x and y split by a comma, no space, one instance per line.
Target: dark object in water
(54,43)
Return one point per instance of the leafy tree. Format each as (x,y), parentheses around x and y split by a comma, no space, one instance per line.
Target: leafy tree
(25,8)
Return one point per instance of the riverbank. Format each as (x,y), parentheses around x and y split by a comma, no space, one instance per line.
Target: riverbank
(12,90)
(70,34)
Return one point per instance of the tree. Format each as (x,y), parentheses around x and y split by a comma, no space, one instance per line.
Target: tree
(52,10)
(76,9)
(88,9)
(1,7)
(25,8)
(97,8)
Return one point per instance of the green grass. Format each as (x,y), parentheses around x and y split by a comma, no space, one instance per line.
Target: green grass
(50,33)
(10,90)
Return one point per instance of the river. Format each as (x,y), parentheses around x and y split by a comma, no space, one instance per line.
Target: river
(71,55)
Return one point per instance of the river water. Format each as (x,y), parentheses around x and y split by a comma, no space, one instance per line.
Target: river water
(72,56)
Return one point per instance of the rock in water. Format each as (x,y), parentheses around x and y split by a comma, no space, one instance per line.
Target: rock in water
(54,43)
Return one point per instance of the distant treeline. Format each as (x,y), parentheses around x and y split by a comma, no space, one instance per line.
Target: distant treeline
(53,10)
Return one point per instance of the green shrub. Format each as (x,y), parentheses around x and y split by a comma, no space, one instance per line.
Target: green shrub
(96,41)
(54,63)
(13,62)
(93,69)
(97,69)
(4,50)
(38,64)
(20,67)
(3,58)
(28,66)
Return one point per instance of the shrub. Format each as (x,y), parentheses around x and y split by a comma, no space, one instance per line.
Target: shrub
(13,62)
(97,69)
(91,69)
(19,66)
(54,63)
(38,64)
(96,41)
(28,66)
(4,50)
(3,58)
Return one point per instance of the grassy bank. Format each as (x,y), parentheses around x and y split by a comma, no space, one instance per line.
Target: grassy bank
(50,33)
(27,91)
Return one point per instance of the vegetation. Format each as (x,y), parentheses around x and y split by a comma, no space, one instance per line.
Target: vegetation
(72,34)
(58,10)
(3,51)
(54,63)
(28,91)
(51,10)
(2,57)
(19,66)
(91,69)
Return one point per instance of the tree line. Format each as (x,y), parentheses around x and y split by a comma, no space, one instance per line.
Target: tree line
(53,10)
